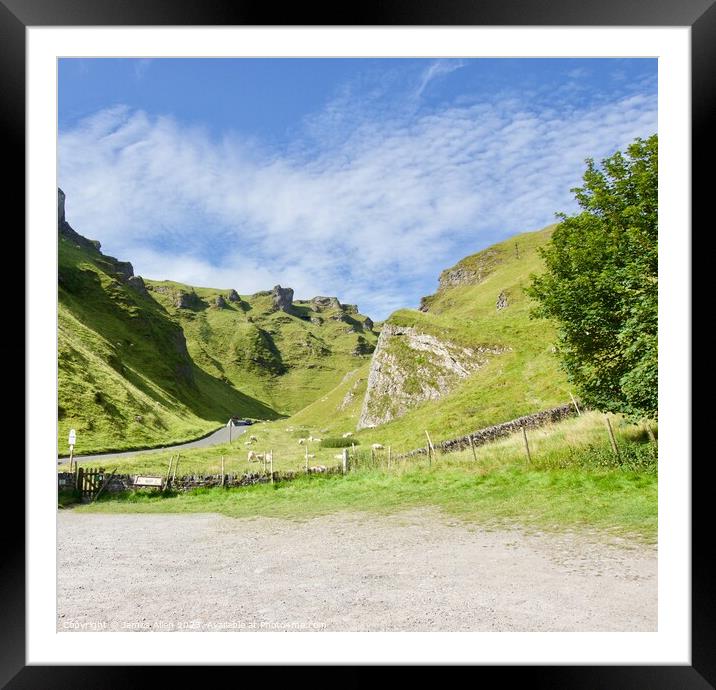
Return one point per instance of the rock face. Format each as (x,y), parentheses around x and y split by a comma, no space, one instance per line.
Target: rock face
(501,301)
(123,270)
(368,323)
(233,296)
(472,270)
(137,283)
(282,298)
(187,300)
(66,230)
(322,303)
(220,302)
(362,347)
(409,367)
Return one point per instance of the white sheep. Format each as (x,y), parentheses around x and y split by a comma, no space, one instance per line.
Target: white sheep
(338,457)
(311,455)
(377,446)
(318,468)
(348,434)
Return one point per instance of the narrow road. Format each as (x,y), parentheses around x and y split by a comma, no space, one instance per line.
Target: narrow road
(219,436)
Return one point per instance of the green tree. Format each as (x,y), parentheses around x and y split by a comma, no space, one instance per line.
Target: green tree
(601,283)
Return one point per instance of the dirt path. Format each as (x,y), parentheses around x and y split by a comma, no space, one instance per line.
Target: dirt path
(413,571)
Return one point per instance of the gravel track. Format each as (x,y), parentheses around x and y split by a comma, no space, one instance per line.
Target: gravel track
(417,570)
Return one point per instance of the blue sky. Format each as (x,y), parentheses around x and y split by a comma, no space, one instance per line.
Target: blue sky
(360,178)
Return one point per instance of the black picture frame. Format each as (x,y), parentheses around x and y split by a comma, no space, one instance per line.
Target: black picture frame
(700,15)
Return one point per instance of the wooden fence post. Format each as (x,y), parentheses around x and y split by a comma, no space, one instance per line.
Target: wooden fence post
(271,460)
(612,440)
(527,445)
(472,448)
(389,457)
(574,402)
(80,482)
(223,476)
(431,448)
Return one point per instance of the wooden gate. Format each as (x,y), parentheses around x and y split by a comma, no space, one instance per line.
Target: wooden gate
(89,482)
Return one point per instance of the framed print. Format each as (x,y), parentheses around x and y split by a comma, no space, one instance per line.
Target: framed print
(341,156)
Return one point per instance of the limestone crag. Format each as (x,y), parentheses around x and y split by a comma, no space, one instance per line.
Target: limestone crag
(472,270)
(233,296)
(409,367)
(122,270)
(282,298)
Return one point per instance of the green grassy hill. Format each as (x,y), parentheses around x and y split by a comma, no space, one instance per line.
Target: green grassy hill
(523,378)
(144,364)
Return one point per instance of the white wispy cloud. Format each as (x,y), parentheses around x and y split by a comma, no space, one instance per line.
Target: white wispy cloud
(372,214)
(436,69)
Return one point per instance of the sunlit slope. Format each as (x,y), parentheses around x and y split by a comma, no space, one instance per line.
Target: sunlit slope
(523,378)
(286,359)
(125,378)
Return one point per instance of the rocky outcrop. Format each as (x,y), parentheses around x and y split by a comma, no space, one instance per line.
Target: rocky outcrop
(137,283)
(220,302)
(362,347)
(322,303)
(409,367)
(187,300)
(501,301)
(233,296)
(65,229)
(122,270)
(368,323)
(472,270)
(282,298)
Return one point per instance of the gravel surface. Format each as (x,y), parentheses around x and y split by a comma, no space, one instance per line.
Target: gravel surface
(417,570)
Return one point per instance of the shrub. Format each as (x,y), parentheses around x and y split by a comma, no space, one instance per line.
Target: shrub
(336,442)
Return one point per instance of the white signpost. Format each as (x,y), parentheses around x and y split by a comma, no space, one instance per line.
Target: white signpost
(71,441)
(230,423)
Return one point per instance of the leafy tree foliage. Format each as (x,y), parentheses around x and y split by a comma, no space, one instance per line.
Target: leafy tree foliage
(601,283)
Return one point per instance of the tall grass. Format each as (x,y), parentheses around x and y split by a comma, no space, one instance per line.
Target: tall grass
(574,481)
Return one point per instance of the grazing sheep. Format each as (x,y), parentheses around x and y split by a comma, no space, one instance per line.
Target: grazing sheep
(252,456)
(256,457)
(253,439)
(338,457)
(318,468)
(311,455)
(377,446)
(347,434)
(301,441)
(247,443)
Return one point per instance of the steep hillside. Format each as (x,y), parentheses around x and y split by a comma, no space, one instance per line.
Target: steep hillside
(152,363)
(468,358)
(283,352)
